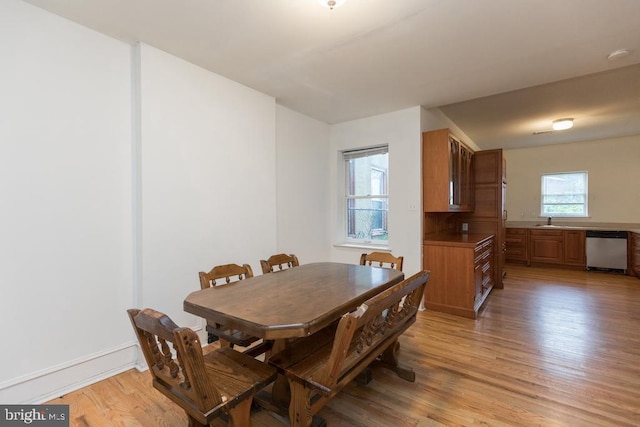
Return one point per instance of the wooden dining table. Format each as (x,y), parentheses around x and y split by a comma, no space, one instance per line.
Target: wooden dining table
(291,303)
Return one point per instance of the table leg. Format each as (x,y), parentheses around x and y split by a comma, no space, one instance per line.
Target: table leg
(280,392)
(389,359)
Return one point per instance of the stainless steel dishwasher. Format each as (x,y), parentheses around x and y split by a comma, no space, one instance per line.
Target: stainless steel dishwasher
(607,250)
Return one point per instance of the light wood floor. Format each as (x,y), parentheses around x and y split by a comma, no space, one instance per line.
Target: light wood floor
(553,348)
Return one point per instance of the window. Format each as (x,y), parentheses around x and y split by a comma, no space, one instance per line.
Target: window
(367,194)
(564,194)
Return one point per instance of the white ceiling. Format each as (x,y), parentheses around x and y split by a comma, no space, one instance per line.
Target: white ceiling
(372,56)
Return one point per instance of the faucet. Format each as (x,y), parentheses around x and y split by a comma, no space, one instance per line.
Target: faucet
(549,221)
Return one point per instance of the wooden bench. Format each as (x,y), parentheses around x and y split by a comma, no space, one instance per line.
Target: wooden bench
(319,366)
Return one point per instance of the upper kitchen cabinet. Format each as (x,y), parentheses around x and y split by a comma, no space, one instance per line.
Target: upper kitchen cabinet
(447,177)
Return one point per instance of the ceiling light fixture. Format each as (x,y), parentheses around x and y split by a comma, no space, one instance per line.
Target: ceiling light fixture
(332,3)
(618,54)
(562,124)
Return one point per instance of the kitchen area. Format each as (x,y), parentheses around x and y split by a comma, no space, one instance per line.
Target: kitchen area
(610,248)
(469,234)
(607,239)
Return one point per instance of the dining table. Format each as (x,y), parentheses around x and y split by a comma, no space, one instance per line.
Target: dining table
(289,304)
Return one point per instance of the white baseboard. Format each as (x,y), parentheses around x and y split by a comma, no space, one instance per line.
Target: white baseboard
(50,383)
(47,384)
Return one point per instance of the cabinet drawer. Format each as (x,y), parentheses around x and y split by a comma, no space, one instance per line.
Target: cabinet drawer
(547,233)
(515,243)
(516,232)
(480,257)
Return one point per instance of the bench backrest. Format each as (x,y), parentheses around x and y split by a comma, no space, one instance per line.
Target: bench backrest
(365,333)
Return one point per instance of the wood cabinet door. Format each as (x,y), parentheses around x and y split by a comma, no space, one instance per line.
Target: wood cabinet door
(460,176)
(635,253)
(454,173)
(574,247)
(466,179)
(447,174)
(487,167)
(546,246)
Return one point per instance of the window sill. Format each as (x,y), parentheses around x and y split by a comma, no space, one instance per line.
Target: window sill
(383,248)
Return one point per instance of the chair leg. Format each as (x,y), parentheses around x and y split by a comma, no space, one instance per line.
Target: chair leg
(240,415)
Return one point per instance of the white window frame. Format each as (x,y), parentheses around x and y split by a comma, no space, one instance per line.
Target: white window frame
(544,192)
(345,156)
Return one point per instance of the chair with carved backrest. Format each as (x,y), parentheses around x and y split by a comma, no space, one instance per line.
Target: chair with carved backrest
(281,261)
(226,275)
(223,381)
(382,259)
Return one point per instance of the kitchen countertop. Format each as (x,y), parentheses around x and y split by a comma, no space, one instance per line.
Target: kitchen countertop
(457,239)
(558,224)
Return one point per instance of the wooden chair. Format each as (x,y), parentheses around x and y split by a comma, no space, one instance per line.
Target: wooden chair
(230,274)
(379,259)
(280,260)
(223,381)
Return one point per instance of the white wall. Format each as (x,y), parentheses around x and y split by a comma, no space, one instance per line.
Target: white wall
(401,131)
(208,178)
(65,186)
(100,215)
(434,118)
(303,187)
(613,170)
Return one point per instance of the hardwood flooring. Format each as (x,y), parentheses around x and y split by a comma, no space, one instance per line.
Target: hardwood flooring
(553,348)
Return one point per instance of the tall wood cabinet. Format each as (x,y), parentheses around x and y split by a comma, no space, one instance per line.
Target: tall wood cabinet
(460,186)
(490,213)
(447,180)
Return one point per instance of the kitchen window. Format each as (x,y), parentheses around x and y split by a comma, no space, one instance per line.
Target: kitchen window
(367,195)
(564,194)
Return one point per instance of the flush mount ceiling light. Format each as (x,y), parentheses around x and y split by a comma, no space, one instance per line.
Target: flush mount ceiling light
(562,124)
(332,3)
(618,54)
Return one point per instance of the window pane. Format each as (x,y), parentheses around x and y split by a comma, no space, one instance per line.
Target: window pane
(367,218)
(564,194)
(360,175)
(367,194)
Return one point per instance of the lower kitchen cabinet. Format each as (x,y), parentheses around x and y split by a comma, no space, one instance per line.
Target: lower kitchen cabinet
(461,273)
(546,246)
(563,247)
(517,245)
(574,247)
